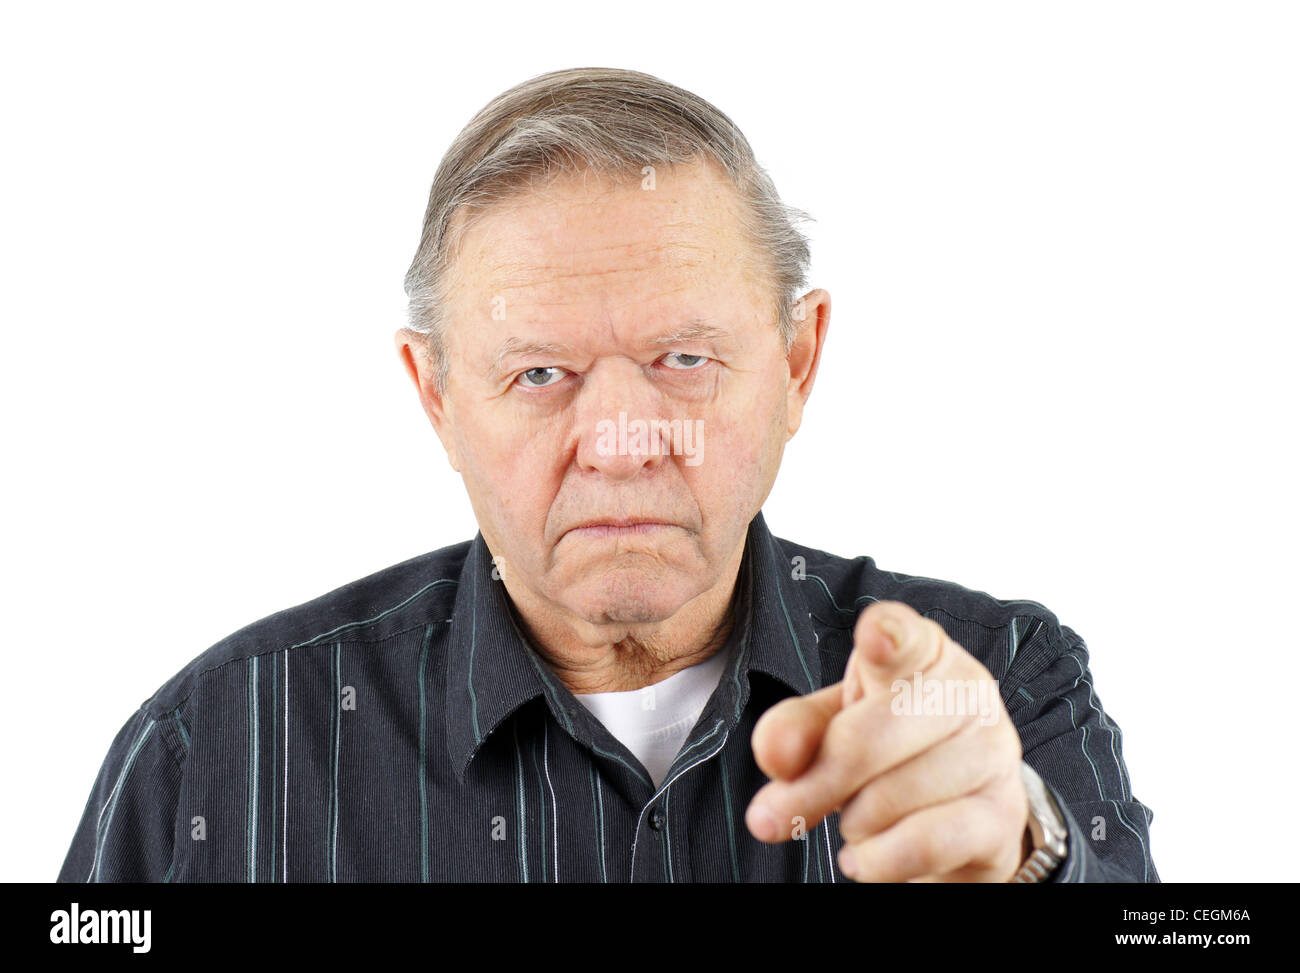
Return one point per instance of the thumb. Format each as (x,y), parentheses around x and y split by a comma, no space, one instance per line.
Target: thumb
(891,641)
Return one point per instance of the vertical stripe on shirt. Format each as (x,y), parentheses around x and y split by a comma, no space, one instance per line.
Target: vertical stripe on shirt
(286,766)
(422,770)
(110,806)
(275,703)
(251,828)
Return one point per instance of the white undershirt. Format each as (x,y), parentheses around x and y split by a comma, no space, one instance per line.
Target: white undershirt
(654,722)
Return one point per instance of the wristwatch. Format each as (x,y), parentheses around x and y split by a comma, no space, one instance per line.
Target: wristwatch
(1047,828)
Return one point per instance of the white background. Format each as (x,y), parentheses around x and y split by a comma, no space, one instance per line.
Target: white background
(1062,244)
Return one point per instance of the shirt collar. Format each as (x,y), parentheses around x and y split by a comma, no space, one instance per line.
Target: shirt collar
(492,671)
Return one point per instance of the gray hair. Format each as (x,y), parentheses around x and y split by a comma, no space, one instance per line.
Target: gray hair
(609,120)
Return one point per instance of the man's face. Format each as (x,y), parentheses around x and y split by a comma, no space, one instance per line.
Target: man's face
(598,276)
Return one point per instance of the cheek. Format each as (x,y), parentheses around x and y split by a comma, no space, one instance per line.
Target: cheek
(509,466)
(741,446)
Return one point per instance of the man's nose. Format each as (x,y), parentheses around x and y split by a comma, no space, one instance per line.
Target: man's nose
(619,418)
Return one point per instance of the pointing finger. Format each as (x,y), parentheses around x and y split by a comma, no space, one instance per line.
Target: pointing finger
(787,736)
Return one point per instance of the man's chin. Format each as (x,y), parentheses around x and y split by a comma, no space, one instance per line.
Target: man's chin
(630,597)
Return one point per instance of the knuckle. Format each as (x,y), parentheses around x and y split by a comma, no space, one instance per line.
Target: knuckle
(842,740)
(869,811)
(855,825)
(1000,756)
(927,851)
(999,778)
(887,804)
(946,842)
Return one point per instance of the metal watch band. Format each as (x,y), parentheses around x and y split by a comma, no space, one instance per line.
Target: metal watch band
(1047,827)
(1037,867)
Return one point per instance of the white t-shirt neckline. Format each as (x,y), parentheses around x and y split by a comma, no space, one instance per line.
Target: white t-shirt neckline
(654,721)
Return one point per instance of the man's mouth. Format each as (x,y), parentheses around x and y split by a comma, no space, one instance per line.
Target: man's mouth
(624,527)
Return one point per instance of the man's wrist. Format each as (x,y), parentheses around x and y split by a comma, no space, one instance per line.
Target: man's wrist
(1045,844)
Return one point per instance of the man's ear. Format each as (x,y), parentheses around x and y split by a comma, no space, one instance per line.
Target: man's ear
(413,350)
(812,315)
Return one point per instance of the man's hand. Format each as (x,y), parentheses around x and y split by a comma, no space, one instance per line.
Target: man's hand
(927,783)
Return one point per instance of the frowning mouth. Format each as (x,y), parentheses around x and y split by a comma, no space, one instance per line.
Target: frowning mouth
(625,527)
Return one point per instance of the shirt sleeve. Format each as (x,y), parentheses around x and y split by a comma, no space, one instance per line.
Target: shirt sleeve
(1076,748)
(127,830)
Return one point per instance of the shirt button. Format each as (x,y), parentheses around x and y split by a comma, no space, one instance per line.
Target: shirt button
(657,819)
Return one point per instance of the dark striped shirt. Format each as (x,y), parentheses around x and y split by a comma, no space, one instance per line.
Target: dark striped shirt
(400,728)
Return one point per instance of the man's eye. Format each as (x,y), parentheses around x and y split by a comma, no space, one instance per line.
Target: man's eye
(537,378)
(688,362)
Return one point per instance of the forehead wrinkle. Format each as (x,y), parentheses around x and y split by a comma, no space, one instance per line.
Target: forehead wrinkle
(561,303)
(554,275)
(522,275)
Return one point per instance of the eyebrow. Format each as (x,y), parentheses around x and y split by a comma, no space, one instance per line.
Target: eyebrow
(694,330)
(521,346)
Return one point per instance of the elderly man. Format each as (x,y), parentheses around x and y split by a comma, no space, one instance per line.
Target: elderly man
(624,676)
